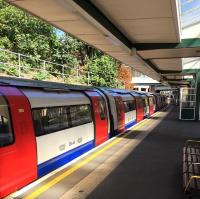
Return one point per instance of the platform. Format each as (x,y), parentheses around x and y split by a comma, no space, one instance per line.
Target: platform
(144,163)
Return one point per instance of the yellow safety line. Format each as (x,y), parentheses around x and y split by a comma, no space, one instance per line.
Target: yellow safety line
(54,181)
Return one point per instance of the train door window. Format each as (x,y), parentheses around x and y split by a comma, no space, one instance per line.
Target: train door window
(144,102)
(154,100)
(6,134)
(118,107)
(102,108)
(150,101)
(129,106)
(126,108)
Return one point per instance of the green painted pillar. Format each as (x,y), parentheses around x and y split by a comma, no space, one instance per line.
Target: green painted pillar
(197,95)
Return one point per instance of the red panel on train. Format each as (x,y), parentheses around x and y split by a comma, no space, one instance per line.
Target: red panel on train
(100,117)
(140,109)
(17,159)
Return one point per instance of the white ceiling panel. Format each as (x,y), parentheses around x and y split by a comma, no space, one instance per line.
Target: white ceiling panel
(168,64)
(170,53)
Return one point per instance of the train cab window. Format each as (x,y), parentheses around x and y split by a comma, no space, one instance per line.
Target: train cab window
(6,134)
(80,114)
(102,108)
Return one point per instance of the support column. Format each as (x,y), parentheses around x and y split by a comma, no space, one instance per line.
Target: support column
(197,95)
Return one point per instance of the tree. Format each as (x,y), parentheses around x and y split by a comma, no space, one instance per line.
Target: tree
(102,72)
(125,76)
(25,34)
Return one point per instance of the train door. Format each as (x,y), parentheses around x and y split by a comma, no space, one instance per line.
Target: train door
(147,106)
(100,117)
(129,110)
(140,109)
(120,114)
(18,162)
(154,103)
(151,105)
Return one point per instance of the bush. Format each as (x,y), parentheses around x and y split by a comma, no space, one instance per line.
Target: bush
(42,75)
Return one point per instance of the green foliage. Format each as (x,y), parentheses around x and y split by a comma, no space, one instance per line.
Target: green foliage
(102,72)
(25,34)
(41,75)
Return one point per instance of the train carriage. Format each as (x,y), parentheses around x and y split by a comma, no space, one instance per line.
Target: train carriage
(44,125)
(145,101)
(129,110)
(117,115)
(151,103)
(139,106)
(58,119)
(46,128)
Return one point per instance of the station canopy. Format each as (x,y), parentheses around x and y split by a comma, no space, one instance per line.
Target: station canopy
(144,34)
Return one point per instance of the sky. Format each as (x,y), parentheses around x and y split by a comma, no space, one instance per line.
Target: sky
(190,11)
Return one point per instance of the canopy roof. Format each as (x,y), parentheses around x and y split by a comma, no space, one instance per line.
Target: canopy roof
(140,33)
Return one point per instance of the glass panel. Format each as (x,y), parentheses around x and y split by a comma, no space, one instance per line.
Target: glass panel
(102,108)
(80,114)
(52,119)
(129,106)
(118,107)
(6,134)
(48,120)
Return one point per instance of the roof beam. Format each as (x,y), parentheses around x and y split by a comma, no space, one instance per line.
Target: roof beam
(99,17)
(170,72)
(95,13)
(185,43)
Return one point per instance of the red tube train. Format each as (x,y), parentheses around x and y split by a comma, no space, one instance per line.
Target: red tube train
(45,125)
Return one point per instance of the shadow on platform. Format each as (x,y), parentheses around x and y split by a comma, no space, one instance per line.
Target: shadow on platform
(153,170)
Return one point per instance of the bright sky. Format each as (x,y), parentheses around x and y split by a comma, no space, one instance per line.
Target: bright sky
(190,11)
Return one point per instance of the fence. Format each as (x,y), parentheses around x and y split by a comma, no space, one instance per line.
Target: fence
(20,63)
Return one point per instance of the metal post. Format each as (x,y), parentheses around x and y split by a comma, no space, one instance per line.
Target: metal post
(44,65)
(88,78)
(19,65)
(63,72)
(77,72)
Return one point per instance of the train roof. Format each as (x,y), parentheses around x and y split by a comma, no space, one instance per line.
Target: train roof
(46,85)
(140,93)
(144,93)
(115,90)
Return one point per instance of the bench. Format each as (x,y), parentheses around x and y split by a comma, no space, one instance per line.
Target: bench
(191,168)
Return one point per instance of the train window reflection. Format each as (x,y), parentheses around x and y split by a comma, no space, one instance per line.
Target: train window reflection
(52,119)
(102,108)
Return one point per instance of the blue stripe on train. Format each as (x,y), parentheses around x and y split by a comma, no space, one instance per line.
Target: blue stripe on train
(64,158)
(130,124)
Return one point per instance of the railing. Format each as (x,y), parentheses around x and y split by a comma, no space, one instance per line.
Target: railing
(21,63)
